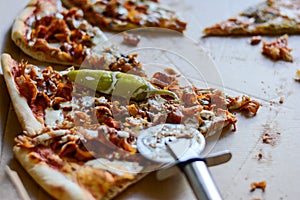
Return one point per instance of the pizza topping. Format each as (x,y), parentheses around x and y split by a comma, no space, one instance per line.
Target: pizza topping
(131,39)
(27,88)
(206,114)
(53,118)
(126,14)
(243,104)
(261,185)
(278,49)
(127,64)
(86,177)
(65,33)
(42,87)
(117,83)
(46,155)
(100,126)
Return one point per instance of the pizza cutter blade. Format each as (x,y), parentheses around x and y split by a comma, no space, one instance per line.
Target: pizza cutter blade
(177,144)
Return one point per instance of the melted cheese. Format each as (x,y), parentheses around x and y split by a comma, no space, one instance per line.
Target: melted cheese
(87,101)
(37,70)
(43,138)
(91,133)
(54,45)
(53,118)
(99,8)
(101,100)
(206,114)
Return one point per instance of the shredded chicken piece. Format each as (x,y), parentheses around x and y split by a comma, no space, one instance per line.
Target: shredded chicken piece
(243,104)
(278,49)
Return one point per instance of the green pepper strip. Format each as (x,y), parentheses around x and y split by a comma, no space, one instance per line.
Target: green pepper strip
(117,83)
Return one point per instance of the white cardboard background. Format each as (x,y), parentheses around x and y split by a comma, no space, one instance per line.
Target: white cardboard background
(243,70)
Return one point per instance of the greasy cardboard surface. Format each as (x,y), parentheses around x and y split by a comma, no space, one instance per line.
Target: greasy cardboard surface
(243,71)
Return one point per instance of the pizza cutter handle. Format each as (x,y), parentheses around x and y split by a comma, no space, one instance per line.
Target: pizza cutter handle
(200,180)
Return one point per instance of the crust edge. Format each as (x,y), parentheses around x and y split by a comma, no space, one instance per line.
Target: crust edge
(26,118)
(51,180)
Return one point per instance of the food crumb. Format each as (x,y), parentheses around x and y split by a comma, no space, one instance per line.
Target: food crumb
(261,185)
(259,155)
(297,77)
(270,135)
(255,40)
(266,138)
(131,39)
(281,99)
(278,49)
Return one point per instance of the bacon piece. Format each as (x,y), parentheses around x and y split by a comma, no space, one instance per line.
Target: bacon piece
(162,80)
(175,116)
(189,97)
(217,99)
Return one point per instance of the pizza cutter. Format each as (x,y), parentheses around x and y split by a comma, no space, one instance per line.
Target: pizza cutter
(180,145)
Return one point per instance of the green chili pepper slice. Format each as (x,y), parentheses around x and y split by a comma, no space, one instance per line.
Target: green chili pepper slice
(117,83)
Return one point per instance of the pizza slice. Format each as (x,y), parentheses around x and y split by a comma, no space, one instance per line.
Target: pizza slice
(270,17)
(48,32)
(79,138)
(62,148)
(121,15)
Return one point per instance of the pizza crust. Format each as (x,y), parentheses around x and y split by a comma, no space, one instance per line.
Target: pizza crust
(60,186)
(41,49)
(118,188)
(25,116)
(96,18)
(18,35)
(51,180)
